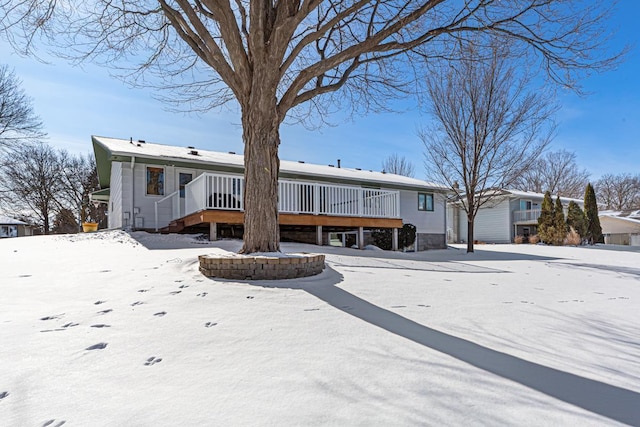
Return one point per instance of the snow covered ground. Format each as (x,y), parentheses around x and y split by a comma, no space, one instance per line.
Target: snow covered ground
(117,329)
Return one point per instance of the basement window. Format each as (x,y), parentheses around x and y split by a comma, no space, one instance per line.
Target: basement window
(425,202)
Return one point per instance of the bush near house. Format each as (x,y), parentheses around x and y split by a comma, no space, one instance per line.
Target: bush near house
(573,238)
(383,237)
(406,236)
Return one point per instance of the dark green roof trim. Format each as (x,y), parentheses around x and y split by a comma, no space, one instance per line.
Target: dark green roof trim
(101,195)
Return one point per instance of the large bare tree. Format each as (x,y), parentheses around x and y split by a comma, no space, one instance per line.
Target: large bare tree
(30,180)
(556,172)
(619,192)
(296,58)
(486,126)
(18,122)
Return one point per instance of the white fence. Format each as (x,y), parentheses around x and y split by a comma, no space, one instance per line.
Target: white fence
(226,192)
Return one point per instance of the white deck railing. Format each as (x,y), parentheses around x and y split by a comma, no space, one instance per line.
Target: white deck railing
(339,200)
(530,215)
(171,202)
(226,192)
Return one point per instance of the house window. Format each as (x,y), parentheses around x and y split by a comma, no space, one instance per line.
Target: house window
(425,201)
(183,180)
(526,205)
(155,181)
(8,231)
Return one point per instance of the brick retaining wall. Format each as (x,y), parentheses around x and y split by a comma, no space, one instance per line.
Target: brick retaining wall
(261,267)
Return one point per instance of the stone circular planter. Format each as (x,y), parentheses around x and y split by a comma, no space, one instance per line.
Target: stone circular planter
(249,267)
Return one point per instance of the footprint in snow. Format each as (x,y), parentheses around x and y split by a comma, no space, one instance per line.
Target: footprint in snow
(105,271)
(3,394)
(160,313)
(183,286)
(52,330)
(422,305)
(100,325)
(24,275)
(53,317)
(175,292)
(50,423)
(507,302)
(447,280)
(249,297)
(152,361)
(99,302)
(109,310)
(143,290)
(70,325)
(177,281)
(398,306)
(203,294)
(99,346)
(136,303)
(209,324)
(311,309)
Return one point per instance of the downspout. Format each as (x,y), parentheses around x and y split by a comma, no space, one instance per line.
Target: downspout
(446,231)
(133,193)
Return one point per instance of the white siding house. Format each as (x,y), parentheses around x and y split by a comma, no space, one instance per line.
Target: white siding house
(620,228)
(153,186)
(508,214)
(10,227)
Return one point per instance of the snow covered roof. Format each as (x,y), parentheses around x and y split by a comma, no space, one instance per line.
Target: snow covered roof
(630,215)
(124,147)
(5,220)
(524,194)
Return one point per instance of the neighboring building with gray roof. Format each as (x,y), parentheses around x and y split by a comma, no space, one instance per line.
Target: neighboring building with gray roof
(10,227)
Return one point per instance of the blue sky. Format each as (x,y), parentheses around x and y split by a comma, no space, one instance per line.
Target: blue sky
(602,128)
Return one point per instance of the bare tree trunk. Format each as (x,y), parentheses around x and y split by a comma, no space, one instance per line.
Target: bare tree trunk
(261,137)
(470,235)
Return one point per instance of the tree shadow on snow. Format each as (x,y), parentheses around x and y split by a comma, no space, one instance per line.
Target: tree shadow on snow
(613,402)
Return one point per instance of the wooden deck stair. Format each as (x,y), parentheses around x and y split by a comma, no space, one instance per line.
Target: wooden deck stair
(175,226)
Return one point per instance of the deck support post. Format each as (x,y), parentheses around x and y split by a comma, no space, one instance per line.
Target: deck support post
(360,237)
(319,235)
(213,231)
(394,242)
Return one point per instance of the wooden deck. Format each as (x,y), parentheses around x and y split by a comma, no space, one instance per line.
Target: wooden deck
(234,217)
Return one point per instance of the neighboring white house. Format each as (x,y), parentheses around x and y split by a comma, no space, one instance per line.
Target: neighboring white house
(10,227)
(508,214)
(153,186)
(620,227)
